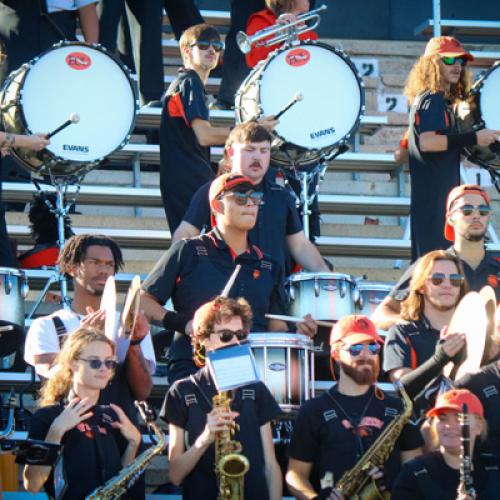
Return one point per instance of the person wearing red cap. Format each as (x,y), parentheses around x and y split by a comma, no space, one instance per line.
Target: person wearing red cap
(468,213)
(334,430)
(437,81)
(194,271)
(436,475)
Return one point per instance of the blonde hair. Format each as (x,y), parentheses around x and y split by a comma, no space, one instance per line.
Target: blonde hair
(59,385)
(426,76)
(435,437)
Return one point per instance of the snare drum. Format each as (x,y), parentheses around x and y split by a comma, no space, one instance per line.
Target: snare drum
(328,114)
(327,296)
(371,294)
(285,363)
(68,78)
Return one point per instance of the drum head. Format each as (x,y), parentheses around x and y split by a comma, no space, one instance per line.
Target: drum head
(489,89)
(76,78)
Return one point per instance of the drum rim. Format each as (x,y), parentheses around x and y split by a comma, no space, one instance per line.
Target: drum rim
(374,286)
(11,270)
(296,340)
(275,135)
(293,278)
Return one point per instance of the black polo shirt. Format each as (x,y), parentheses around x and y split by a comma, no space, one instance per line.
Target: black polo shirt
(433,175)
(184,162)
(486,273)
(333,431)
(277,219)
(193,272)
(187,405)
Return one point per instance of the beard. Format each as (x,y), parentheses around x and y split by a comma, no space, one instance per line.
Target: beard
(359,371)
(439,306)
(474,237)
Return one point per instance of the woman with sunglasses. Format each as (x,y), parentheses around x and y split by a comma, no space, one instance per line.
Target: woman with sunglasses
(194,423)
(437,81)
(97,441)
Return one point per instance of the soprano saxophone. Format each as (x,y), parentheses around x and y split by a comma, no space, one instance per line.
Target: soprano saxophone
(230,465)
(356,483)
(119,484)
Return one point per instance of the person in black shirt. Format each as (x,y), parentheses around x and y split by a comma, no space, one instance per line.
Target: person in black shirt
(333,431)
(101,438)
(194,422)
(438,80)
(278,226)
(436,475)
(468,214)
(194,271)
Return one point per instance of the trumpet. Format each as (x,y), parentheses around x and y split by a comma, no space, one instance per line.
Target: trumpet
(281,32)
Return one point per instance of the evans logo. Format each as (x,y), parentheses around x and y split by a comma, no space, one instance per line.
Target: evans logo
(321,133)
(75,148)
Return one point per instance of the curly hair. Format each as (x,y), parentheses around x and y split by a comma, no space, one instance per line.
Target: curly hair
(59,385)
(212,313)
(426,76)
(75,249)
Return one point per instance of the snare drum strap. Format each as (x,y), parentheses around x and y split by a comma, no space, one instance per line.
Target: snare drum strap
(60,329)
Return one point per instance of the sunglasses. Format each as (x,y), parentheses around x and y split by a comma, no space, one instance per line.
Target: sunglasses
(450,61)
(206,44)
(456,279)
(242,198)
(226,335)
(96,364)
(467,209)
(356,349)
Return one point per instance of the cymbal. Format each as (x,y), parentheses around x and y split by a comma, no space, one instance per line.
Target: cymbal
(490,300)
(108,303)
(130,309)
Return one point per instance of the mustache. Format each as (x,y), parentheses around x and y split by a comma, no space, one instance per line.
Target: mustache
(363,362)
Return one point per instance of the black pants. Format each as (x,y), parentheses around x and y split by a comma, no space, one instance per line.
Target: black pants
(182,15)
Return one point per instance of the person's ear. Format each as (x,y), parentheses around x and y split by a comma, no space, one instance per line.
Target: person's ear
(218,206)
(230,151)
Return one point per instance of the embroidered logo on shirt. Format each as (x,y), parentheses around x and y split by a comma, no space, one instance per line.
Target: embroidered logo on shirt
(420,471)
(248,394)
(391,412)
(201,251)
(329,415)
(490,391)
(493,280)
(256,274)
(190,399)
(265,264)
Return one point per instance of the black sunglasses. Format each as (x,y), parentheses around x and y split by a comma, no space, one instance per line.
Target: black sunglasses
(450,61)
(205,45)
(456,279)
(357,349)
(96,364)
(226,335)
(467,209)
(242,198)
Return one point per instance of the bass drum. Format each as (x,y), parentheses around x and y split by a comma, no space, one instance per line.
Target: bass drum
(68,78)
(480,110)
(330,110)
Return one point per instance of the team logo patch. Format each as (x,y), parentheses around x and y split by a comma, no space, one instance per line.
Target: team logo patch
(190,399)
(298,57)
(78,60)
(490,391)
(255,274)
(493,280)
(329,415)
(248,394)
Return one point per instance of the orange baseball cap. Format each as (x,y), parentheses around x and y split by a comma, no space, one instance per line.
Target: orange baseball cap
(354,329)
(446,46)
(453,196)
(227,182)
(454,399)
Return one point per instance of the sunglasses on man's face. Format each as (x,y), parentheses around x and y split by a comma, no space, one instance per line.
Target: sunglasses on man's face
(467,209)
(96,364)
(206,44)
(456,279)
(357,349)
(242,198)
(450,61)
(226,335)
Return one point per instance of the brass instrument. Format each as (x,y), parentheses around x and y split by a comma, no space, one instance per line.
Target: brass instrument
(356,483)
(230,465)
(281,32)
(466,485)
(118,485)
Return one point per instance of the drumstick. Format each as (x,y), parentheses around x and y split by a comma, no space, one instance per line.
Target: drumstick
(6,328)
(296,319)
(296,98)
(73,118)
(230,281)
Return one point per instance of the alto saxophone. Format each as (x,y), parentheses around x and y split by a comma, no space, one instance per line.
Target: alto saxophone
(230,465)
(356,483)
(119,484)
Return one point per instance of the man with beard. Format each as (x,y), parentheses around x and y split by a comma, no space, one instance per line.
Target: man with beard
(468,212)
(333,431)
(436,287)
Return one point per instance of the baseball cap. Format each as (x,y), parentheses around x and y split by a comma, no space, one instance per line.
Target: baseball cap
(227,182)
(446,46)
(354,329)
(454,399)
(453,196)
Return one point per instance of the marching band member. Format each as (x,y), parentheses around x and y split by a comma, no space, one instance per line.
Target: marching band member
(436,475)
(468,210)
(194,422)
(278,226)
(333,431)
(194,271)
(92,449)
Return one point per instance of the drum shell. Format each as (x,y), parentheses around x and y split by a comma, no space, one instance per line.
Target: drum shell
(371,294)
(13,291)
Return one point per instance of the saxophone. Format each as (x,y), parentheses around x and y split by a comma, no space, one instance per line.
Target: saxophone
(119,484)
(356,483)
(230,464)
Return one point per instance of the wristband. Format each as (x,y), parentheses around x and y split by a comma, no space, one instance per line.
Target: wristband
(136,342)
(459,141)
(175,321)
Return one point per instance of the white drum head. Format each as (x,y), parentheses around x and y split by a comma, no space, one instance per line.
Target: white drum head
(331,95)
(84,80)
(490,99)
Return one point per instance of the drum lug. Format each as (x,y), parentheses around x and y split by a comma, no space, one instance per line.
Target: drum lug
(358,299)
(291,292)
(343,288)
(316,287)
(25,289)
(8,284)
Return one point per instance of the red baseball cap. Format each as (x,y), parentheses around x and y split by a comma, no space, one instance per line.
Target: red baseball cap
(227,182)
(446,46)
(354,329)
(453,196)
(454,399)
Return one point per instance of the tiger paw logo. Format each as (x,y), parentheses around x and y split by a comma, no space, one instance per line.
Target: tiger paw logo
(298,57)
(493,280)
(78,61)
